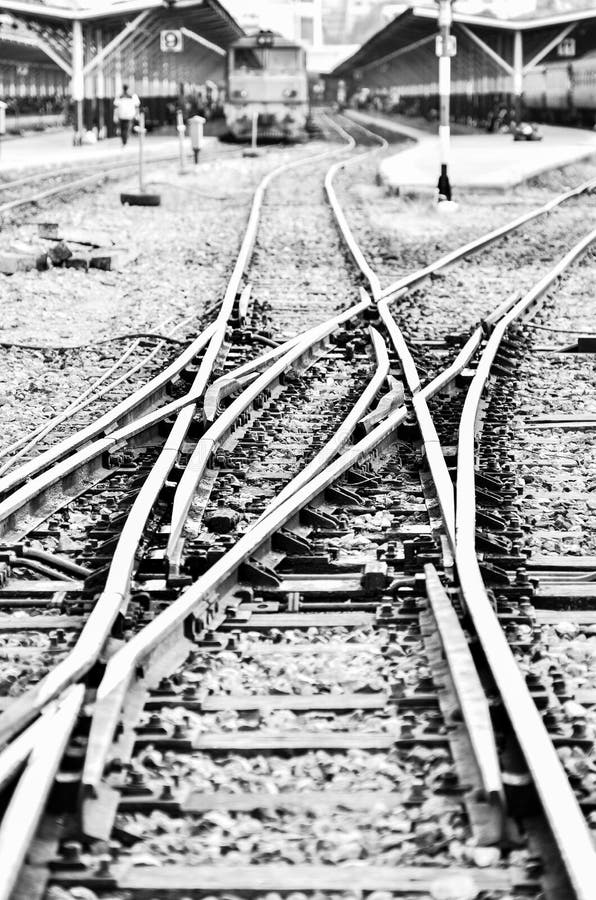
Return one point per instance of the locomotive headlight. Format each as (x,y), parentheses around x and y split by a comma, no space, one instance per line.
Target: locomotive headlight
(290,93)
(240,94)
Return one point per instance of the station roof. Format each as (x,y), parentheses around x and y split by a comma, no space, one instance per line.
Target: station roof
(17,50)
(419,23)
(207,16)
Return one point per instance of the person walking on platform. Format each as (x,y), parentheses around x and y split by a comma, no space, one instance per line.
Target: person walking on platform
(126,108)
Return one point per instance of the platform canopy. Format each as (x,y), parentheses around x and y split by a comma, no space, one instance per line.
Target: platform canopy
(504,48)
(93,42)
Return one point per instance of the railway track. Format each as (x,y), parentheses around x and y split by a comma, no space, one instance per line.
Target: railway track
(272,601)
(112,367)
(48,184)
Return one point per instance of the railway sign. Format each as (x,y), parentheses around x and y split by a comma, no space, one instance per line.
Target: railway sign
(450,49)
(265,39)
(566,47)
(171,41)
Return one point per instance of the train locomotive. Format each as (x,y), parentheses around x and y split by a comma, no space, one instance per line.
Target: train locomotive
(267,81)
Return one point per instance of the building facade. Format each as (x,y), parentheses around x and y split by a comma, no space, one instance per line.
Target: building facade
(297,20)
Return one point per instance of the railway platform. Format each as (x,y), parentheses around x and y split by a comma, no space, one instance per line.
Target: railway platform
(56,150)
(479,162)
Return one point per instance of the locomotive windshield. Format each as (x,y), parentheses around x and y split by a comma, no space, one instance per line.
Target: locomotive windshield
(282,60)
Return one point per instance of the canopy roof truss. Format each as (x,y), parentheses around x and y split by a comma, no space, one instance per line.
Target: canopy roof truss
(87,41)
(514,46)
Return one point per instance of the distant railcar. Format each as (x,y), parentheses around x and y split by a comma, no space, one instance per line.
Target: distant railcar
(563,91)
(267,80)
(558,91)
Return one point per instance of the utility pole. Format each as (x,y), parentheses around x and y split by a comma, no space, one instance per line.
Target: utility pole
(518,74)
(445,50)
(78,79)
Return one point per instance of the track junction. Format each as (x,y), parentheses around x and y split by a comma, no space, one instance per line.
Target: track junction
(300,578)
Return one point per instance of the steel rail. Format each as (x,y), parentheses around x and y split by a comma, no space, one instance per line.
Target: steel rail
(25,444)
(215,339)
(34,785)
(35,489)
(416,278)
(39,487)
(107,422)
(103,173)
(567,823)
(90,395)
(14,757)
(392,292)
(22,712)
(197,463)
(52,192)
(442,482)
(373,436)
(468,689)
(41,176)
(196,467)
(244,257)
(115,593)
(458,364)
(194,600)
(408,365)
(224,386)
(345,430)
(49,173)
(340,217)
(91,639)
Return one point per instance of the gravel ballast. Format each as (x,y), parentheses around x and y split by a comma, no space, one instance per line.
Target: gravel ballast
(185,250)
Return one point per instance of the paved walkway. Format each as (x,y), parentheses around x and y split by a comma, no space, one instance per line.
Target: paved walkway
(54,149)
(486,162)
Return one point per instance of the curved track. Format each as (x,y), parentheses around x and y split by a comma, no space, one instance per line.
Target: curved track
(64,182)
(368,549)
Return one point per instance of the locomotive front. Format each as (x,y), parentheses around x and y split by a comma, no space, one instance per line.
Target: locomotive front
(267,79)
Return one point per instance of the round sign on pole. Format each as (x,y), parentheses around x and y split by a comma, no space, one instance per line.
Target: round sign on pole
(171,40)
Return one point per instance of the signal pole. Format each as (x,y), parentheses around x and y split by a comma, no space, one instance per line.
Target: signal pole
(444,52)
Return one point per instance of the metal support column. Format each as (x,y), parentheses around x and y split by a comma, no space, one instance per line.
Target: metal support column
(78,79)
(117,74)
(518,74)
(445,18)
(100,88)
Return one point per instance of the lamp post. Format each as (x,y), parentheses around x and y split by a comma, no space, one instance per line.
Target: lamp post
(445,50)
